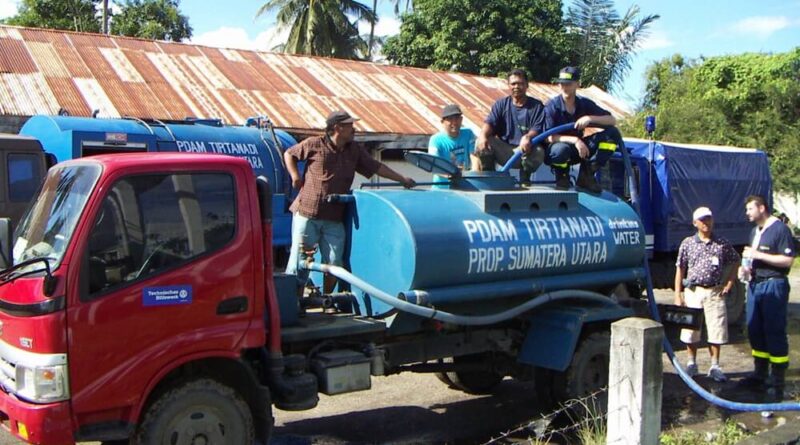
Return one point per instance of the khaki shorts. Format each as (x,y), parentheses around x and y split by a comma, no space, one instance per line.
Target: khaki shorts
(713,304)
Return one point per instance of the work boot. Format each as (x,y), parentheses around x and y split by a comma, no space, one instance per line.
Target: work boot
(775,392)
(586,178)
(758,377)
(562,179)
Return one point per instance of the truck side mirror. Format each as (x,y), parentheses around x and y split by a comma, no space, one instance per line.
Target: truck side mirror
(5,243)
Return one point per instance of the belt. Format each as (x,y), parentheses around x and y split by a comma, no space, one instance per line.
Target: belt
(762,279)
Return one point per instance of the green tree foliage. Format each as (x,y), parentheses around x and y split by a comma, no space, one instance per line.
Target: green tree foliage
(72,15)
(746,100)
(152,19)
(602,43)
(322,27)
(488,37)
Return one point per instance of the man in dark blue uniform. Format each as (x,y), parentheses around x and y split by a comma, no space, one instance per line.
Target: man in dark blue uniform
(569,148)
(511,124)
(771,252)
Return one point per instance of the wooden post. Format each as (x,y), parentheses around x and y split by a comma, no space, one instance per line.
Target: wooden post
(634,385)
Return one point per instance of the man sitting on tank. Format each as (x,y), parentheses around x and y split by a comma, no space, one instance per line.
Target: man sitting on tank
(453,143)
(511,124)
(591,151)
(332,161)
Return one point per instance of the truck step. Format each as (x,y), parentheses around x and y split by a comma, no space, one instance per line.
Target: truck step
(314,326)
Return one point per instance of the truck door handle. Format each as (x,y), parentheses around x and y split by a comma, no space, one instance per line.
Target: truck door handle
(233,305)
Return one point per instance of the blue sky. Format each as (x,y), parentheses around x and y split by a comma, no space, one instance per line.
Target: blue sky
(691,28)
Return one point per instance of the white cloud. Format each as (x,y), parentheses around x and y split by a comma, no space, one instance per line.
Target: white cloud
(760,26)
(656,40)
(8,8)
(237,38)
(386,26)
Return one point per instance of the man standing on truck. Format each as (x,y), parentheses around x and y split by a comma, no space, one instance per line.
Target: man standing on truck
(453,143)
(771,253)
(332,161)
(705,271)
(569,148)
(512,122)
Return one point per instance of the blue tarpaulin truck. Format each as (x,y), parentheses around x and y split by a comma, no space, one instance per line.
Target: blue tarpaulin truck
(673,179)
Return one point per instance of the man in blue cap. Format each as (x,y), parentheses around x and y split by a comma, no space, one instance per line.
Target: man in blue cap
(576,146)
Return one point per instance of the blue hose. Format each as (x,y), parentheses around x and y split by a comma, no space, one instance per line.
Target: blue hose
(447,317)
(536,140)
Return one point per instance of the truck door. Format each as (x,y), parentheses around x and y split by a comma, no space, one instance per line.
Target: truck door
(164,256)
(23,175)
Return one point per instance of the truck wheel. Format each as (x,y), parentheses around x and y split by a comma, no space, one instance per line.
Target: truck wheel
(587,373)
(735,303)
(473,382)
(202,411)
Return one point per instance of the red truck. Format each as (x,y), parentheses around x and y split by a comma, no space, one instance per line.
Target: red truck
(142,305)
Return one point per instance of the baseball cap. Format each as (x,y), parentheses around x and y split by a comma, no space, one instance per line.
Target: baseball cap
(701,212)
(568,74)
(450,111)
(339,117)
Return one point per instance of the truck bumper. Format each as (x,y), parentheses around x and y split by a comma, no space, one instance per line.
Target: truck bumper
(48,424)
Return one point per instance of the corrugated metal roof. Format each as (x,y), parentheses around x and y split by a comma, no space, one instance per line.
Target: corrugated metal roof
(42,71)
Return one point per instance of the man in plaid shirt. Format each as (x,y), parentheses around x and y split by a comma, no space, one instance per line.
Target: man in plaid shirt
(332,161)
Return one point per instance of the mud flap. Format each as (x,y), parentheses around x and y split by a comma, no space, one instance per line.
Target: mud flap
(554,333)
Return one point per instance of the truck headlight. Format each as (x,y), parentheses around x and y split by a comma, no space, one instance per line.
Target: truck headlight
(43,384)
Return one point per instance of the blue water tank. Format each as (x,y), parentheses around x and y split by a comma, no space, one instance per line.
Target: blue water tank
(459,246)
(69,137)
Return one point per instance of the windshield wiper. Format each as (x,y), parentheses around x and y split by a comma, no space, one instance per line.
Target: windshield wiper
(49,286)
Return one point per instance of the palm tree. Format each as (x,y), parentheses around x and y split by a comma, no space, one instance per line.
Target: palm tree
(371,42)
(322,27)
(603,43)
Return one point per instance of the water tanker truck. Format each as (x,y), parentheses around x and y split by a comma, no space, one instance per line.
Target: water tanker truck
(143,304)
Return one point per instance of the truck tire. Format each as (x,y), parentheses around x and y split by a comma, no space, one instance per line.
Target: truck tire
(735,304)
(199,409)
(472,382)
(586,374)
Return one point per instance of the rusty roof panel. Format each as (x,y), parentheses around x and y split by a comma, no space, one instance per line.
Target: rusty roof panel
(73,61)
(136,44)
(96,63)
(80,40)
(68,97)
(164,80)
(150,105)
(14,57)
(178,48)
(46,58)
(143,66)
(121,65)
(126,103)
(96,97)
(23,94)
(42,36)
(171,101)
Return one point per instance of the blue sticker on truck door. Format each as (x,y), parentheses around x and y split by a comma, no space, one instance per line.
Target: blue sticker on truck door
(166,295)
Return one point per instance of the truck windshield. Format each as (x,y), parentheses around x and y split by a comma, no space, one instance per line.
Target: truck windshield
(46,229)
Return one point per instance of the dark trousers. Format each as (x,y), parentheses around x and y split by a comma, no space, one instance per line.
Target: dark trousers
(766,319)
(602,146)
